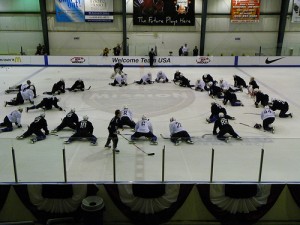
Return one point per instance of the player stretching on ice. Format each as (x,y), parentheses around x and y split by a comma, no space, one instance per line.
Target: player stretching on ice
(224,128)
(178,133)
(143,128)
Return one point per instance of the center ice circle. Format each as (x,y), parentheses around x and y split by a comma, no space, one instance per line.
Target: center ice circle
(151,102)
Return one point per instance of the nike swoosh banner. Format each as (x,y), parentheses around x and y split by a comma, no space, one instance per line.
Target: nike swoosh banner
(296,12)
(245,11)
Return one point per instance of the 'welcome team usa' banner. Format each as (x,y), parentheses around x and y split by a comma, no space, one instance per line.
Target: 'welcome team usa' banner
(84,10)
(245,11)
(160,12)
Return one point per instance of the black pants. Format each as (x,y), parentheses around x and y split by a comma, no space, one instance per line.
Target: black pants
(267,122)
(182,134)
(18,101)
(66,123)
(114,138)
(125,120)
(227,130)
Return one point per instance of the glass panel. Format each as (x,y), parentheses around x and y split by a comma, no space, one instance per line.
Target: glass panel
(6,161)
(39,162)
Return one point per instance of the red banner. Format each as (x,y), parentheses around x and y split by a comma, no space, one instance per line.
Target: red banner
(245,11)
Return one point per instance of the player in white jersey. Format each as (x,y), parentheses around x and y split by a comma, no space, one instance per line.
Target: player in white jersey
(226,86)
(13,117)
(199,85)
(178,133)
(126,117)
(21,97)
(268,117)
(146,79)
(143,128)
(161,76)
(120,80)
(21,87)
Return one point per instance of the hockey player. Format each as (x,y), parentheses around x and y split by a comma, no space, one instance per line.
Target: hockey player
(13,117)
(70,120)
(281,105)
(199,85)
(126,118)
(224,128)
(260,98)
(252,86)
(57,88)
(146,79)
(215,90)
(231,97)
(225,86)
(215,110)
(118,69)
(161,76)
(143,128)
(120,80)
(178,133)
(22,87)
(21,97)
(207,78)
(46,104)
(113,132)
(268,117)
(36,127)
(176,76)
(239,82)
(77,86)
(84,129)
(182,80)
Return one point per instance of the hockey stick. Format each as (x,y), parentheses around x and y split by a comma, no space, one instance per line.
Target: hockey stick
(253,127)
(149,154)
(164,137)
(206,135)
(252,113)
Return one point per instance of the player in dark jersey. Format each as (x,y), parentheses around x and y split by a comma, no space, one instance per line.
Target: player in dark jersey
(36,128)
(113,126)
(224,128)
(71,120)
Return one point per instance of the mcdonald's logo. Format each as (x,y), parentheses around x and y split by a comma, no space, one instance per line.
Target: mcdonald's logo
(18,59)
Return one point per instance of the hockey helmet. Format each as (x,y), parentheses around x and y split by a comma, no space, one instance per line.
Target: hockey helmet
(210,83)
(28,82)
(125,107)
(118,113)
(159,72)
(149,74)
(42,115)
(62,80)
(221,115)
(267,107)
(144,117)
(20,109)
(86,118)
(172,119)
(221,80)
(72,110)
(205,75)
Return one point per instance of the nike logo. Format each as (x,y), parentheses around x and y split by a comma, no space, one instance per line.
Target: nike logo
(271,61)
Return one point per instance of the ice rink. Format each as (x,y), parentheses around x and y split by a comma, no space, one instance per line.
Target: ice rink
(236,161)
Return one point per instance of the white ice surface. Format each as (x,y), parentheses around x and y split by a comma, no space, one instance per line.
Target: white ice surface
(235,161)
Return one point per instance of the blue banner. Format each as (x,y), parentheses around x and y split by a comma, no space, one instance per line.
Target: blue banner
(69,10)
